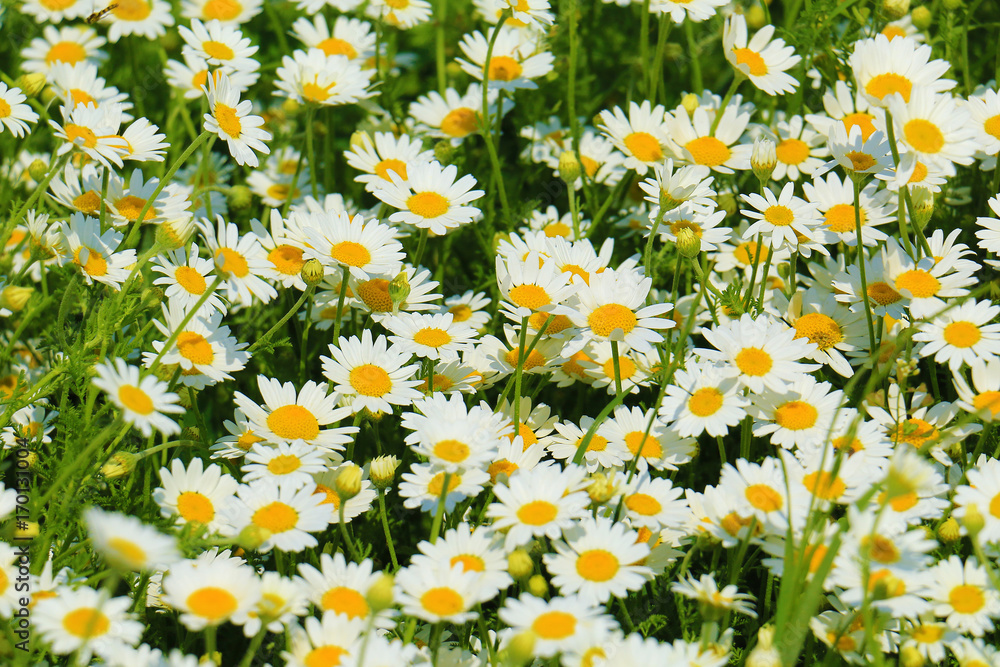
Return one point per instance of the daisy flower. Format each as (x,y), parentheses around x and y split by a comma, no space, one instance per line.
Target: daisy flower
(71,44)
(883,298)
(93,130)
(600,453)
(596,560)
(372,296)
(692,10)
(282,600)
(403,14)
(370,374)
(689,184)
(721,151)
(211,590)
(936,128)
(144,402)
(219,44)
(534,503)
(468,307)
(533,287)
(204,349)
(761,492)
(643,136)
(782,219)
(963,596)
(559,625)
(186,276)
(819,318)
(984,401)
(232,121)
(287,417)
(296,462)
(514,458)
(350,37)
(759,352)
(227,11)
(440,595)
(516,60)
(610,309)
(856,155)
(387,153)
(703,398)
(146,18)
(240,260)
(963,334)
(454,442)
(452,117)
(331,640)
(84,621)
(194,494)
(707,593)
(56,12)
(14,114)
(313,77)
(762,59)
(834,199)
(648,438)
(982,490)
(883,68)
(797,149)
(326,483)
(984,111)
(341,241)
(340,587)
(654,503)
(126,201)
(423,487)
(431,198)
(804,412)
(472,549)
(285,512)
(128,544)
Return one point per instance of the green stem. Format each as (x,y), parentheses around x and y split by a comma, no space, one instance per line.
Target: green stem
(439,512)
(753,274)
(291,311)
(861,267)
(39,190)
(763,280)
(439,43)
(648,254)
(487,126)
(340,305)
(255,643)
(310,112)
(737,80)
(421,246)
(694,59)
(385,527)
(617,365)
(518,372)
(344,535)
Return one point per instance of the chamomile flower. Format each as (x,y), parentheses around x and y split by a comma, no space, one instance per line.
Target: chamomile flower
(536,502)
(194,494)
(349,37)
(204,349)
(14,114)
(145,403)
(219,44)
(883,68)
(403,14)
(70,44)
(643,136)
(430,198)
(719,151)
(468,307)
(386,153)
(370,374)
(533,287)
(610,309)
(804,412)
(819,318)
(963,334)
(359,505)
(228,12)
(232,121)
(761,493)
(186,276)
(340,241)
(340,587)
(128,544)
(963,596)
(146,18)
(703,398)
(709,596)
(56,12)
(654,503)
(516,60)
(282,600)
(424,485)
(559,625)
(936,128)
(692,10)
(760,352)
(982,491)
(93,130)
(472,549)
(452,117)
(284,511)
(596,560)
(984,400)
(296,462)
(780,219)
(84,621)
(834,199)
(857,155)
(326,640)
(313,77)
(649,439)
(762,59)
(600,453)
(441,594)
(984,110)
(211,591)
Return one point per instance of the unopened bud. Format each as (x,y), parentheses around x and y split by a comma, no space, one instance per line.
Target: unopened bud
(688,243)
(170,235)
(373,417)
(973,520)
(601,488)
(537,586)
(923,205)
(922,17)
(380,596)
(690,102)
(15,298)
(755,17)
(952,5)
(359,140)
(383,470)
(153,296)
(119,465)
(399,289)
(763,159)
(239,197)
(519,564)
(312,272)
(31,84)
(910,656)
(184,398)
(37,170)
(444,152)
(895,9)
(949,531)
(251,537)
(520,650)
(348,481)
(289,106)
(191,433)
(569,166)
(764,654)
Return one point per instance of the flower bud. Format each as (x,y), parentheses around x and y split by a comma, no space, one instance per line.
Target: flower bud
(690,102)
(399,289)
(289,106)
(312,272)
(952,5)
(537,586)
(895,9)
(922,17)
(191,433)
(239,197)
(949,531)
(444,152)
(359,140)
(251,537)
(910,656)
(37,170)
(764,654)
(688,243)
(15,298)
(569,166)
(519,564)
(119,465)
(973,520)
(171,235)
(601,489)
(923,205)
(763,159)
(31,84)
(755,17)
(520,650)
(383,470)
(380,596)
(348,481)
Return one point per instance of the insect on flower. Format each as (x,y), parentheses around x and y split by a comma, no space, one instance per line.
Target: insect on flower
(100,14)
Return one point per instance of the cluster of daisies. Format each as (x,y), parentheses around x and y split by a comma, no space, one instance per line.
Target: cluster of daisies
(498,474)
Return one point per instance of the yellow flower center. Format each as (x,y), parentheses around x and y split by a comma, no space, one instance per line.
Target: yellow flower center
(626,367)
(882,294)
(232,262)
(135,399)
(228,121)
(503,467)
(217,50)
(915,432)
(432,337)
(504,68)
(375,294)
(992,126)
(284,464)
(195,348)
(195,507)
(351,253)
(644,504)
(860,161)
(705,402)
(641,444)
(65,52)
(325,656)
(344,600)
(554,625)
(537,513)
(883,85)
(753,60)
(80,135)
(796,416)
(132,10)
(88,202)
(962,334)
(644,146)
(840,218)
(370,380)
(95,265)
(988,400)
(223,10)
(819,329)
(927,634)
(442,601)
(86,623)
(923,135)
(529,296)
(287,259)
(597,565)
(708,151)
(792,151)
(129,552)
(454,451)
(611,316)
(919,283)
(779,216)
(460,122)
(427,204)
(862,120)
(383,168)
(460,312)
(276,517)
(333,46)
(824,485)
(754,361)
(192,281)
(764,498)
(212,603)
(469,562)
(966,599)
(557,323)
(56,5)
